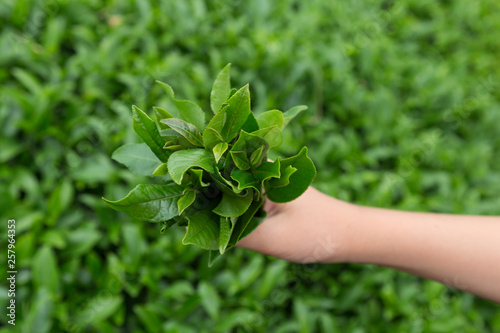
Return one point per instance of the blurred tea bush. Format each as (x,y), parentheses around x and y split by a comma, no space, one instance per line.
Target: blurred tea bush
(404,113)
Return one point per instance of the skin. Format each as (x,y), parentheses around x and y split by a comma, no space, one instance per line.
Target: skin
(457,250)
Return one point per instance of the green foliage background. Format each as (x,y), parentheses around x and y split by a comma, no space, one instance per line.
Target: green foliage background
(404,113)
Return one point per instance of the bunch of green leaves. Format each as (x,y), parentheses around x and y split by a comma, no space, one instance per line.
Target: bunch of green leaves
(216,176)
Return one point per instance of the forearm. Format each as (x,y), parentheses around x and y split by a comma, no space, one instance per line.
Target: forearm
(460,251)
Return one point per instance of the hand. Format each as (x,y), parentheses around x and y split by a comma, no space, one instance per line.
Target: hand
(312,228)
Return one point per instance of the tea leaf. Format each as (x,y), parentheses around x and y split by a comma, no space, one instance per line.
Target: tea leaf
(138,158)
(160,114)
(198,178)
(161,170)
(243,222)
(173,138)
(237,113)
(285,177)
(186,200)
(226,229)
(45,271)
(28,80)
(153,203)
(271,134)
(203,230)
(232,92)
(212,135)
(240,159)
(40,317)
(292,113)
(219,149)
(226,124)
(210,299)
(250,124)
(245,179)
(245,146)
(182,160)
(257,156)
(299,181)
(271,118)
(213,256)
(233,205)
(220,89)
(187,110)
(145,127)
(268,170)
(249,142)
(187,130)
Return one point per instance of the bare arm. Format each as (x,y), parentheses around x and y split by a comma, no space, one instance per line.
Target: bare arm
(457,250)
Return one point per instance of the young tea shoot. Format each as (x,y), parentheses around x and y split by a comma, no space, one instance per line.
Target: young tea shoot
(211,168)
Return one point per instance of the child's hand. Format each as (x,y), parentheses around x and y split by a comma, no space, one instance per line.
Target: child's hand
(312,228)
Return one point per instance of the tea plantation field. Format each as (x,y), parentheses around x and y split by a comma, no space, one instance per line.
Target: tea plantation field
(404,113)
